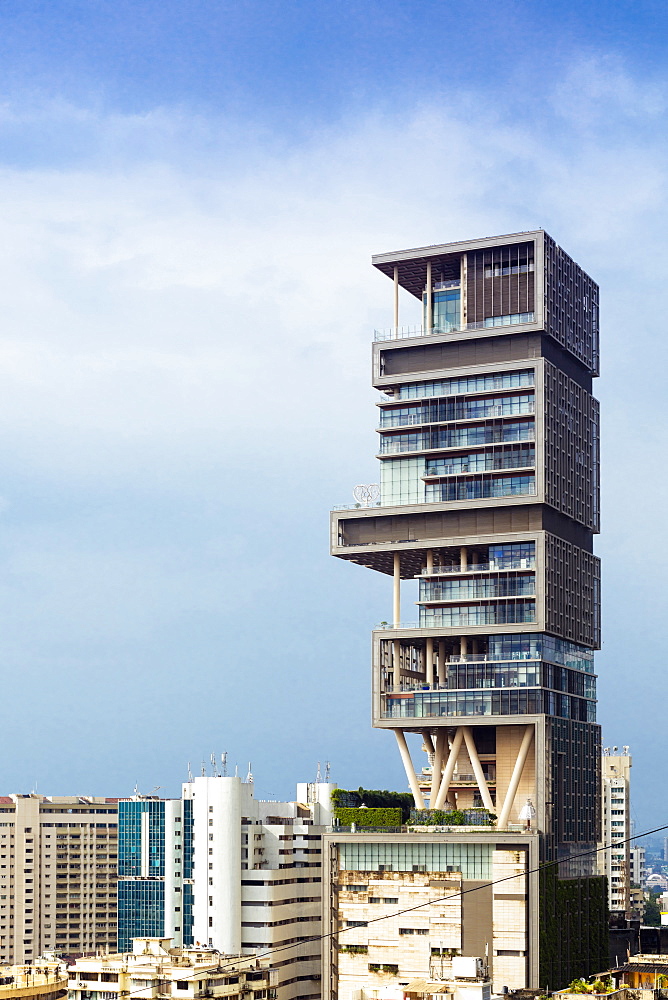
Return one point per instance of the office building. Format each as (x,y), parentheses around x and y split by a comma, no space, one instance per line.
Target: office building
(156,967)
(154,870)
(57,875)
(221,869)
(614,858)
(489,502)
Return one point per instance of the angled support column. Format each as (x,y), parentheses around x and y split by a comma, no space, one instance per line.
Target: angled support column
(441,744)
(504,815)
(428,741)
(449,769)
(410,770)
(477,769)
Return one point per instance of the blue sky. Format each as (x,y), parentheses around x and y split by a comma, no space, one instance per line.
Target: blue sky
(190,195)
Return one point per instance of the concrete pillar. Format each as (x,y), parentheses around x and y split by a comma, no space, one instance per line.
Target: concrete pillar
(429,319)
(441,744)
(396,609)
(474,645)
(477,769)
(410,770)
(429,661)
(463,559)
(513,785)
(442,671)
(463,646)
(430,560)
(449,769)
(396,300)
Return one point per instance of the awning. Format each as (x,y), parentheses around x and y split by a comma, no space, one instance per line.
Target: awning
(422,986)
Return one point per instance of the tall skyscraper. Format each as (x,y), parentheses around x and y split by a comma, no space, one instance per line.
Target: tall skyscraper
(489,501)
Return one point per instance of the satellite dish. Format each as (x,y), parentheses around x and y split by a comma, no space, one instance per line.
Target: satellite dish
(366,495)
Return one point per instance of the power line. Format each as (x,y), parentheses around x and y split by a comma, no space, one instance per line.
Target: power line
(429,902)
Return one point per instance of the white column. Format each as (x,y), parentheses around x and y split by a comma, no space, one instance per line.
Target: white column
(441,743)
(396,300)
(429,319)
(442,677)
(463,558)
(504,815)
(410,770)
(396,610)
(429,660)
(449,769)
(477,769)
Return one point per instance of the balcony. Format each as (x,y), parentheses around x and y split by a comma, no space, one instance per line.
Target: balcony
(407,332)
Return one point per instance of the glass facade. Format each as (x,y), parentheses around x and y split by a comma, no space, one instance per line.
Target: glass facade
(481,488)
(474,861)
(130,837)
(457,437)
(499,613)
(142,906)
(533,701)
(471,588)
(460,408)
(446,311)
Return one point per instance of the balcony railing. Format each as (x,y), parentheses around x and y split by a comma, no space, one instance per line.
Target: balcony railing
(405,332)
(477,568)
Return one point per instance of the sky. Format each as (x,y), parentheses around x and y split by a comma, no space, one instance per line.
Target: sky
(190,193)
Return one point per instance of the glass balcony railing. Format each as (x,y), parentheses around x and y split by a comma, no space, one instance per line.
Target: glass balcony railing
(478,568)
(406,332)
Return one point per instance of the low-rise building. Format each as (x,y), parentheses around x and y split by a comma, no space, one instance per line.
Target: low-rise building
(154,968)
(408,906)
(45,981)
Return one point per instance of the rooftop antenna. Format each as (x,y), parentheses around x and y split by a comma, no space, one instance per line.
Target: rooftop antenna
(190,774)
(318,776)
(204,769)
(156,789)
(327,771)
(249,776)
(214,766)
(223,763)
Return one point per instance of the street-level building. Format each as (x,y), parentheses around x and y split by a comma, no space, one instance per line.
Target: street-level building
(155,967)
(57,875)
(484,519)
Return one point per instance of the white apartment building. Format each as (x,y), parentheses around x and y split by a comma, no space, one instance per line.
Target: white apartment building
(57,875)
(154,968)
(615,861)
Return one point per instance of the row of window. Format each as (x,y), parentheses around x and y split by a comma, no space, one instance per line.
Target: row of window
(521,456)
(468,408)
(466,384)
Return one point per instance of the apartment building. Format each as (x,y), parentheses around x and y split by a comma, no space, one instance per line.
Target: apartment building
(58,858)
(614,858)
(485,519)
